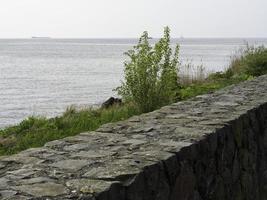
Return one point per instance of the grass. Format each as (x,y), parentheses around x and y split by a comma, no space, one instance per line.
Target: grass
(36,131)
(250,62)
(190,73)
(212,83)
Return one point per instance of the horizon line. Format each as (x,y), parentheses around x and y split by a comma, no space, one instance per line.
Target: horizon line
(183,37)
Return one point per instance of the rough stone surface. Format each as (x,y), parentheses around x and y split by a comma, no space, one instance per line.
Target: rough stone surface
(213,146)
(42,189)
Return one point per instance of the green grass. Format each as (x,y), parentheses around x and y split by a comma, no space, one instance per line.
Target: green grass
(212,83)
(36,131)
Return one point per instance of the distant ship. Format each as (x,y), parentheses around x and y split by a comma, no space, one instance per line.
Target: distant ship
(34,37)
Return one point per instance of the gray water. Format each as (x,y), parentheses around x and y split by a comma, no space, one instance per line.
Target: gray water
(44,76)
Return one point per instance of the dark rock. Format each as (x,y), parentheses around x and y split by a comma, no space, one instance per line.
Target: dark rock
(111,102)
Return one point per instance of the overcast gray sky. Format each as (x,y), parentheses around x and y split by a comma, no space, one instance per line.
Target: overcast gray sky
(128,18)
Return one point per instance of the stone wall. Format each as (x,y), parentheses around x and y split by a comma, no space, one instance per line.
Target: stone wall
(213,146)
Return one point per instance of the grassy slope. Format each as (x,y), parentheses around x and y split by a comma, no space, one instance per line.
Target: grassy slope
(209,85)
(36,131)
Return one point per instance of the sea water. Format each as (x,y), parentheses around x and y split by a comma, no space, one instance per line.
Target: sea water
(45,76)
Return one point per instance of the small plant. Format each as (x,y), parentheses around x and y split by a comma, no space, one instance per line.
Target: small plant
(151,74)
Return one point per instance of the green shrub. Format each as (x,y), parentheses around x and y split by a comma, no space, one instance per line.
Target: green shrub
(252,62)
(151,74)
(255,61)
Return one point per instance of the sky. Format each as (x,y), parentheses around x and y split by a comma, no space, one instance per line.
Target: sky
(129,18)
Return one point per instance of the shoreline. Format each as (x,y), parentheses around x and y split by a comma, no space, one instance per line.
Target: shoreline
(36,131)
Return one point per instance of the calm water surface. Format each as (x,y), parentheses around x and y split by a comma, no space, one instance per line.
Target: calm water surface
(44,76)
